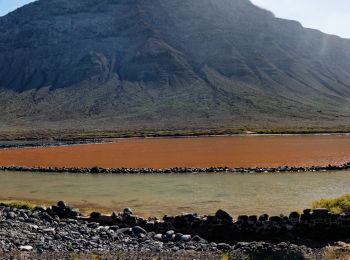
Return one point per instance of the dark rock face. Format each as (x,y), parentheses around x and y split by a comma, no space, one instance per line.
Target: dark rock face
(155,60)
(155,41)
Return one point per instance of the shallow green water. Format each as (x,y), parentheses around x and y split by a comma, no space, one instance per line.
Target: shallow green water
(172,194)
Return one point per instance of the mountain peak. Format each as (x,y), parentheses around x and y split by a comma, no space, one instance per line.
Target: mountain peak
(210,59)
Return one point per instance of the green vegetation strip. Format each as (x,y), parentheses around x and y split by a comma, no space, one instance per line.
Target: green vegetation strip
(335,205)
(19,204)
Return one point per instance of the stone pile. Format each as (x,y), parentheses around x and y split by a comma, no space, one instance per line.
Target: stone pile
(62,229)
(318,225)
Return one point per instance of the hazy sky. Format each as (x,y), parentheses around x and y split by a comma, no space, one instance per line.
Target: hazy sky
(330,16)
(9,5)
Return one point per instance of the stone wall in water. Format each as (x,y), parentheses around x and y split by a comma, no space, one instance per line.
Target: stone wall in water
(96,170)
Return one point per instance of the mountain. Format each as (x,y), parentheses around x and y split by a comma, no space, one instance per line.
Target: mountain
(131,64)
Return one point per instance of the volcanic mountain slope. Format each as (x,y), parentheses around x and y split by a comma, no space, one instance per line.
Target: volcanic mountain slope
(167,64)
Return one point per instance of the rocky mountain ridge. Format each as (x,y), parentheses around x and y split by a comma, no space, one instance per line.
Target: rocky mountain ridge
(172,63)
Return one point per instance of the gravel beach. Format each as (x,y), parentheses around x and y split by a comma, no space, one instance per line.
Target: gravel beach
(36,234)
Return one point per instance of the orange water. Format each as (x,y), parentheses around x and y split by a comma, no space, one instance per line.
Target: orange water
(231,151)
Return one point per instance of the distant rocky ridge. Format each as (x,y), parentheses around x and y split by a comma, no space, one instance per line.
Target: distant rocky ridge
(134,64)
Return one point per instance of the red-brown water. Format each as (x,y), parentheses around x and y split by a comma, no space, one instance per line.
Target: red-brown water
(231,151)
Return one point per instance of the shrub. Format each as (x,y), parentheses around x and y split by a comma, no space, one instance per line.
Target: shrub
(335,205)
(18,204)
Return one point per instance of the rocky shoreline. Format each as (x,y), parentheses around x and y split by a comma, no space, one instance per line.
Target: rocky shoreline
(45,143)
(62,229)
(97,170)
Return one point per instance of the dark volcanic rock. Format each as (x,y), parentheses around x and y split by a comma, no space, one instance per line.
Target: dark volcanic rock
(134,62)
(127,211)
(220,214)
(95,215)
(137,231)
(43,234)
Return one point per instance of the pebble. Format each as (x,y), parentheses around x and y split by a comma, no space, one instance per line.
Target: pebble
(25,248)
(11,215)
(158,236)
(186,238)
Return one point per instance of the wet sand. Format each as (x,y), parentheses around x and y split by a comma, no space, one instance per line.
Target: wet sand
(230,151)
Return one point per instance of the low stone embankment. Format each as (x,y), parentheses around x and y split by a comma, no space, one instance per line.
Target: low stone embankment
(62,229)
(95,170)
(313,227)
(36,143)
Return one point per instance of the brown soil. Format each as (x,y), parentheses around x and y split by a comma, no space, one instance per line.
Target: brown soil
(233,151)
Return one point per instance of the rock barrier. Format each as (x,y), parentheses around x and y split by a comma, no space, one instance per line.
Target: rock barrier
(97,170)
(316,226)
(60,228)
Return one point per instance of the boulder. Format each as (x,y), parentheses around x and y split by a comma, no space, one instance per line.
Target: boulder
(61,204)
(93,225)
(197,238)
(158,237)
(294,215)
(11,215)
(307,211)
(137,231)
(127,231)
(224,247)
(320,212)
(264,217)
(95,215)
(74,213)
(150,225)
(276,219)
(127,211)
(223,215)
(40,208)
(168,218)
(130,220)
(253,218)
(243,218)
(186,238)
(114,228)
(169,234)
(178,237)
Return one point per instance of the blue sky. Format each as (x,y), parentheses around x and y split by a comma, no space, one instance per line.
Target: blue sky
(330,16)
(9,5)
